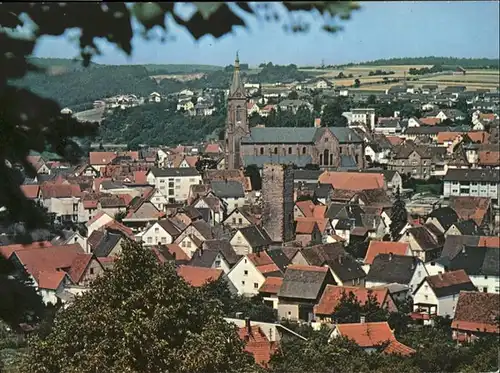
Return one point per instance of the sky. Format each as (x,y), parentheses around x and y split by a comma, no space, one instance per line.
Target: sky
(377,30)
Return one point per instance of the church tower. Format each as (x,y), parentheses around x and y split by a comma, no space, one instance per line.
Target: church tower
(237,119)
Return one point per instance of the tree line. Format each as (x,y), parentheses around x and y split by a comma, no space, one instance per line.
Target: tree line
(471,63)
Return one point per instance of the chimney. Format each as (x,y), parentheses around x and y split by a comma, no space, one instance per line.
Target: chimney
(440,276)
(174,255)
(340,259)
(390,256)
(248,326)
(362,319)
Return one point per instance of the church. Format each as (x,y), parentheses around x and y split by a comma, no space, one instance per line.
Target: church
(328,147)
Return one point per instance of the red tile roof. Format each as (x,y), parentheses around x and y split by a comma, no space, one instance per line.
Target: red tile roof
(257,344)
(140,177)
(198,276)
(305,226)
(176,250)
(212,148)
(332,295)
(96,217)
(430,121)
(56,190)
(50,279)
(78,267)
(120,227)
(384,247)
(489,158)
(260,258)
(394,140)
(50,259)
(306,207)
(90,204)
(352,180)
(369,334)
(489,241)
(271,285)
(474,208)
(7,250)
(98,181)
(476,311)
(397,348)
(31,191)
(447,279)
(101,158)
(479,136)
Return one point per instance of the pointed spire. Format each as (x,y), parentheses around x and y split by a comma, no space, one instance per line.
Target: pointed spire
(237,84)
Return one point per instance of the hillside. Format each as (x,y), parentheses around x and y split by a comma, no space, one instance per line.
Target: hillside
(159,124)
(476,63)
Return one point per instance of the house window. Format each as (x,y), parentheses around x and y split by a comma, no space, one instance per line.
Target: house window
(164,240)
(157,230)
(91,271)
(245,261)
(255,285)
(290,150)
(485,277)
(485,289)
(275,150)
(234,220)
(150,239)
(243,283)
(240,221)
(245,273)
(261,151)
(426,297)
(183,243)
(189,244)
(304,150)
(217,263)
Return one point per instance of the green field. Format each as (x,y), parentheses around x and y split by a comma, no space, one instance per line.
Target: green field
(473,79)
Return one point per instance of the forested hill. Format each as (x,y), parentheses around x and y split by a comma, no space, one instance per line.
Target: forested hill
(470,63)
(75,86)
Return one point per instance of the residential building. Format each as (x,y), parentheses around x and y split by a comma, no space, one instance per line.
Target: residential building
(472,182)
(371,337)
(324,311)
(476,316)
(174,183)
(438,295)
(301,289)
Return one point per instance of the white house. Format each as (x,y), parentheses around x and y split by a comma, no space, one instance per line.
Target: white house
(173,183)
(365,116)
(248,274)
(438,295)
(154,97)
(161,232)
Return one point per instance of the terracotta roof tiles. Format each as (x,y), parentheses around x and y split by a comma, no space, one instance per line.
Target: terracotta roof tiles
(367,334)
(198,276)
(31,191)
(384,247)
(332,295)
(271,285)
(476,310)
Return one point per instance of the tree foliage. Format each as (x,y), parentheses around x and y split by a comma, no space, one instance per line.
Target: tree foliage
(332,114)
(350,310)
(158,124)
(30,122)
(139,317)
(399,216)
(20,302)
(277,73)
(433,60)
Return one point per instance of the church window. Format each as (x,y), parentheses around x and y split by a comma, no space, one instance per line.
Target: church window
(304,150)
(238,114)
(284,151)
(357,158)
(275,150)
(290,150)
(326,155)
(331,159)
(261,151)
(321,159)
